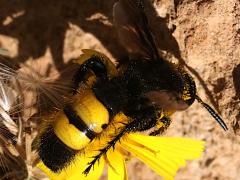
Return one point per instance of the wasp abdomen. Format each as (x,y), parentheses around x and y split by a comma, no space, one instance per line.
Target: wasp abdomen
(79,123)
(91,110)
(72,130)
(53,152)
(75,120)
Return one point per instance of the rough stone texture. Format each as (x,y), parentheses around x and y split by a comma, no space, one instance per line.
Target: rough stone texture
(206,38)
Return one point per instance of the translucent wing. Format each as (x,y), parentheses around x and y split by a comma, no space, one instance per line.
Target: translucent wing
(167,100)
(133,30)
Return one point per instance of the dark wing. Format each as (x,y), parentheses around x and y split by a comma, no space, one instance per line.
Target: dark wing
(131,23)
(167,100)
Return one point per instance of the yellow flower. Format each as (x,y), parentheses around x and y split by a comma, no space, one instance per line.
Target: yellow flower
(165,155)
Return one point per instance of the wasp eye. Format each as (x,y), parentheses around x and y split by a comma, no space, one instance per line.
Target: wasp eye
(104,126)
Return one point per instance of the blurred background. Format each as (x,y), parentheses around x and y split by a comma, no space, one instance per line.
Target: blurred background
(203,35)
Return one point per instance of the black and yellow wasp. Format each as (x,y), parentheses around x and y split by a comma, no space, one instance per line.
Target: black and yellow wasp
(147,90)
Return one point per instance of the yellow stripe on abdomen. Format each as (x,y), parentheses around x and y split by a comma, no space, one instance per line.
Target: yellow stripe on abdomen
(89,116)
(68,133)
(91,110)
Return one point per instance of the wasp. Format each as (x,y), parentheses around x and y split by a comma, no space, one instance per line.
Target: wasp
(148,90)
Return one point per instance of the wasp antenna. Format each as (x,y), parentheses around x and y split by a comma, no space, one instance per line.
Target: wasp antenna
(213,113)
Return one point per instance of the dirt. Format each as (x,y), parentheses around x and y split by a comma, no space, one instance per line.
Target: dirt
(204,35)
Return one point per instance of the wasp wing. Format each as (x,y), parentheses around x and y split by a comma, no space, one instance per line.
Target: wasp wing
(167,100)
(131,23)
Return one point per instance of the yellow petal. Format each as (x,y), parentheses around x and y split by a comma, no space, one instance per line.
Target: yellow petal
(75,170)
(185,147)
(164,155)
(116,165)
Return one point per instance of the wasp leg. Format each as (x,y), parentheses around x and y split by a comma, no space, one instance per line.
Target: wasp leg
(104,150)
(162,125)
(96,65)
(143,122)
